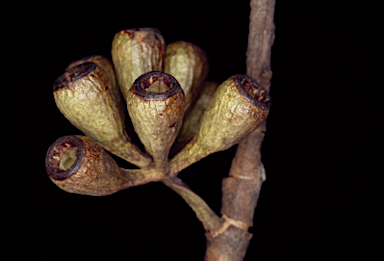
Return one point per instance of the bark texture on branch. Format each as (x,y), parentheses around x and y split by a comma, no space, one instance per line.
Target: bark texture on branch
(260,41)
(241,189)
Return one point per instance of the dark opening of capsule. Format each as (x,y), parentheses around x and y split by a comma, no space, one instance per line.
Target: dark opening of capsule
(156,84)
(73,74)
(252,91)
(64,157)
(79,71)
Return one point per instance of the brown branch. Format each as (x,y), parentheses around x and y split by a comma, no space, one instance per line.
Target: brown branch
(241,189)
(260,41)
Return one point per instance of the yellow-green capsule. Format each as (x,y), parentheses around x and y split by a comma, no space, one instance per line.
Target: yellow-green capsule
(189,65)
(239,106)
(84,95)
(110,71)
(135,52)
(192,120)
(156,107)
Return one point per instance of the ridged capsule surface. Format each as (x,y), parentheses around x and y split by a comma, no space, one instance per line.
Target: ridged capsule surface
(189,65)
(135,52)
(192,120)
(156,107)
(238,107)
(110,71)
(93,171)
(84,95)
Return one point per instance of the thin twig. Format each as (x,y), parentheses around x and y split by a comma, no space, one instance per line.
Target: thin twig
(204,213)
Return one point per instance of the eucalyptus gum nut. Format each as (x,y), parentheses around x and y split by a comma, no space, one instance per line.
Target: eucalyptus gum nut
(84,95)
(155,104)
(92,172)
(192,120)
(135,52)
(189,65)
(110,71)
(238,107)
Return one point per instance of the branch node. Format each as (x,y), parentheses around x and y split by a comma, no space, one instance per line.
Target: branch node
(230,222)
(262,172)
(243,177)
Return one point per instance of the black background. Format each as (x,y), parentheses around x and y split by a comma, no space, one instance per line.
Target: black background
(299,215)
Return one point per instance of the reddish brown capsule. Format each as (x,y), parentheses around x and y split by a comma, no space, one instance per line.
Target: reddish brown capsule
(156,107)
(77,164)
